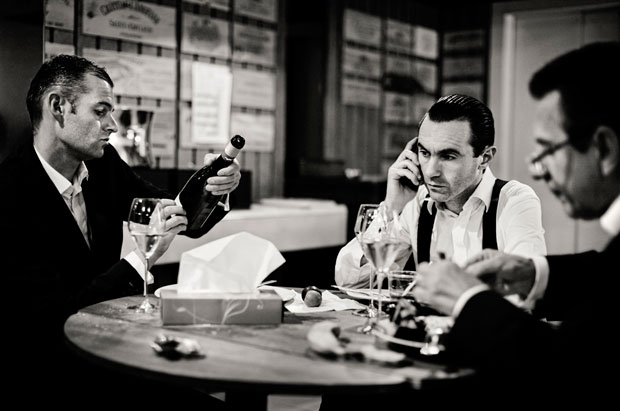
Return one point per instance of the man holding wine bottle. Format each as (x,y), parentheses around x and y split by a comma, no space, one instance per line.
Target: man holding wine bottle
(446,197)
(66,195)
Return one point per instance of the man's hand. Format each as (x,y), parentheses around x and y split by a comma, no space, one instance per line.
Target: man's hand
(227,179)
(441,284)
(505,273)
(175,222)
(406,166)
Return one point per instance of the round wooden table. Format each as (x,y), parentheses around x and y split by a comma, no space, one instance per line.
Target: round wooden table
(247,362)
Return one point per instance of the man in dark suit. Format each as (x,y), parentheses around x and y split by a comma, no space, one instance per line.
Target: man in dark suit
(520,357)
(64,200)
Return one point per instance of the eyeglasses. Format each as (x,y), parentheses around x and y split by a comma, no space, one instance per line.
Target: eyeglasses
(539,168)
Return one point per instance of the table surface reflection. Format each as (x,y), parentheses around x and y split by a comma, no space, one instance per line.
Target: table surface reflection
(248,362)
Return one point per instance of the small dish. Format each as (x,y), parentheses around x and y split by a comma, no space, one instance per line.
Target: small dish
(366,293)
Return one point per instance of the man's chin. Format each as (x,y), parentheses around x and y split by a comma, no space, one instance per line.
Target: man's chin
(93,154)
(438,198)
(575,212)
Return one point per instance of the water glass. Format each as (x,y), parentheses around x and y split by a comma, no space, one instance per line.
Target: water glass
(401,282)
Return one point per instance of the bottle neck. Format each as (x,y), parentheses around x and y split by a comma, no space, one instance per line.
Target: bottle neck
(230,152)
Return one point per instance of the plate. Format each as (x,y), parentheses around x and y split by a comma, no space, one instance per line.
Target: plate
(165,287)
(398,341)
(365,293)
(284,293)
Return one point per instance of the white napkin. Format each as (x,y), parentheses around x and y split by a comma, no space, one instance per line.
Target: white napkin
(330,302)
(235,264)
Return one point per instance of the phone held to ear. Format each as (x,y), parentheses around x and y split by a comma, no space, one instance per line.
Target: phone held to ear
(404,180)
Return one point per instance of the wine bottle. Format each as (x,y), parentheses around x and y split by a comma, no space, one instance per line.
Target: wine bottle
(198,202)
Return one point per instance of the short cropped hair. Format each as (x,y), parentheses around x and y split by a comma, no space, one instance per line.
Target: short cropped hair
(466,108)
(588,79)
(66,72)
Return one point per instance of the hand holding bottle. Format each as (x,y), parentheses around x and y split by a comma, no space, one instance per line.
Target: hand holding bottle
(227,178)
(175,221)
(207,187)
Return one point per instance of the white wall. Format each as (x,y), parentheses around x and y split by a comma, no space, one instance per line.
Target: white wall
(524,36)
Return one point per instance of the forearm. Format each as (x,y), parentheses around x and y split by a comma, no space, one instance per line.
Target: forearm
(349,270)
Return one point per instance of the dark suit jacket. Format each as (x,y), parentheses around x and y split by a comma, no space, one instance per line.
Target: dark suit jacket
(48,270)
(520,355)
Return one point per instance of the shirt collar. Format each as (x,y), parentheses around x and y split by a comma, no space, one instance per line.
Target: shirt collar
(483,193)
(61,183)
(610,221)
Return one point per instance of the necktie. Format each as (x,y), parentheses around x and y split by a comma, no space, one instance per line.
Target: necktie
(78,209)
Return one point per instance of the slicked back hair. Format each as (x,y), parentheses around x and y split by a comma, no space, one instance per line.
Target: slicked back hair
(459,107)
(66,72)
(588,80)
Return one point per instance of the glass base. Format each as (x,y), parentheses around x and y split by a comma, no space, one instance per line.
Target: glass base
(371,325)
(430,349)
(145,307)
(368,312)
(366,328)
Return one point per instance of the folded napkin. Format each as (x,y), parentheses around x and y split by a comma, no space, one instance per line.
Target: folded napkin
(330,302)
(234,264)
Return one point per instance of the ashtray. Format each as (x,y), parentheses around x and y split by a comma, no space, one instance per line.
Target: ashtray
(175,348)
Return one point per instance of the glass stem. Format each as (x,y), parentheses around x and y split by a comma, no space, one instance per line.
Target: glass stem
(380,275)
(146,277)
(370,288)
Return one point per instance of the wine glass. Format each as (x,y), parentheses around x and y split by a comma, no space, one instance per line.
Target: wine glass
(381,248)
(365,215)
(146,226)
(381,242)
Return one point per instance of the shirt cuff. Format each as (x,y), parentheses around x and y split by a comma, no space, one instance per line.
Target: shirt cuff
(540,281)
(462,300)
(136,262)
(226,203)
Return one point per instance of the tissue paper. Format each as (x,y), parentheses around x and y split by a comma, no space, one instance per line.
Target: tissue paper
(235,264)
(218,282)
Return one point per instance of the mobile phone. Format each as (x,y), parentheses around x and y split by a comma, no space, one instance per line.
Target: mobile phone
(404,180)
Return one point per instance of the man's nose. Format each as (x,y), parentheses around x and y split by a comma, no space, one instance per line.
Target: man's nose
(433,168)
(111,126)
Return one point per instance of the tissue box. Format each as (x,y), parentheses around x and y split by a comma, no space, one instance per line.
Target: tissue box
(264,307)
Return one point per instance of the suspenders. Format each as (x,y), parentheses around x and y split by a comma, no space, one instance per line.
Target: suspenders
(489,235)
(427,220)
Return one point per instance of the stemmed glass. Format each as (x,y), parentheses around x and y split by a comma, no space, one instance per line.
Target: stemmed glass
(381,244)
(146,226)
(365,215)
(381,247)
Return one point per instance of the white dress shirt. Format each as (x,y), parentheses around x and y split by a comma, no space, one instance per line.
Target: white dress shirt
(518,230)
(67,188)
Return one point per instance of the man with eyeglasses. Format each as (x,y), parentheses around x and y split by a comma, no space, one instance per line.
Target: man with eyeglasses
(448,200)
(577,129)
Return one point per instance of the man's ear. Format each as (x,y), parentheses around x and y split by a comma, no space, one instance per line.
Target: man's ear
(55,105)
(608,145)
(487,156)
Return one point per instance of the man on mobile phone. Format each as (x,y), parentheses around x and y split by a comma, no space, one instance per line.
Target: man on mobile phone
(447,199)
